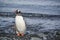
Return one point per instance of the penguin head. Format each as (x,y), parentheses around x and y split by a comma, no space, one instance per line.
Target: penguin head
(18,12)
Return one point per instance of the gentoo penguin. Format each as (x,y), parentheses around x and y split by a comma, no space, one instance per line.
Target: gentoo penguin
(20,24)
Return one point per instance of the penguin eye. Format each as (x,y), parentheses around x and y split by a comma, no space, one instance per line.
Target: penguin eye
(19,11)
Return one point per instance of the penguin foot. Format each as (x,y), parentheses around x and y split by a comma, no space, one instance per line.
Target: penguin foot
(20,34)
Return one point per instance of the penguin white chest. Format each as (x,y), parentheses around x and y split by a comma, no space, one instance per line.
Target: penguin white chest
(20,24)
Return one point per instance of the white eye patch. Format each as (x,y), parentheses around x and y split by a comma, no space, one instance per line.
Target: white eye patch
(18,10)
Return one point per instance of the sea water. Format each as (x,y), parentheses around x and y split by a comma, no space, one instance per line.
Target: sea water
(31,6)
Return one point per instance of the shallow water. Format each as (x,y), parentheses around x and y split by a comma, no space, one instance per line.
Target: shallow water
(33,23)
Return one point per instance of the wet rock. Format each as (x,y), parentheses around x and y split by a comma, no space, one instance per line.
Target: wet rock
(34,38)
